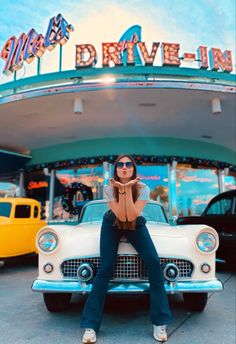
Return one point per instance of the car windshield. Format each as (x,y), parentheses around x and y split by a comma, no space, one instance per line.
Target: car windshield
(95,211)
(5,209)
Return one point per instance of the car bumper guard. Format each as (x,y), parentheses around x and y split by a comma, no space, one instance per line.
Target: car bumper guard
(126,288)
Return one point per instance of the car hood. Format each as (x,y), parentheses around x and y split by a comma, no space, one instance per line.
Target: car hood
(83,240)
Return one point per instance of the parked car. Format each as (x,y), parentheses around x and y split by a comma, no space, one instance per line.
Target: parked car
(69,259)
(220,214)
(19,223)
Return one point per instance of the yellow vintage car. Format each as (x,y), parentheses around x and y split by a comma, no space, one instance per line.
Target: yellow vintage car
(19,223)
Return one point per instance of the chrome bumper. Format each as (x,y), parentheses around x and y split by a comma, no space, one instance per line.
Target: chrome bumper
(126,288)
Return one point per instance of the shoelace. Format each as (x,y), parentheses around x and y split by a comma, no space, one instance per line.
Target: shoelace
(89,330)
(163,329)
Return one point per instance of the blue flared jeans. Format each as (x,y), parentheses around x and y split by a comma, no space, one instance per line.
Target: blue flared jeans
(109,241)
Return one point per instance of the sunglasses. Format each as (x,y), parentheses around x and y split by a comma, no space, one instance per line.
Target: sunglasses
(128,164)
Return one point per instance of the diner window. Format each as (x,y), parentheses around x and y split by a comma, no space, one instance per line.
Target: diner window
(195,188)
(22,211)
(91,177)
(8,189)
(37,185)
(156,177)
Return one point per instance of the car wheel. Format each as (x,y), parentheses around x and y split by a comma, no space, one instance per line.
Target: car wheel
(57,302)
(195,302)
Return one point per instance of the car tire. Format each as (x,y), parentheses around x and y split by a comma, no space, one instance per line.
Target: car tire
(195,302)
(57,302)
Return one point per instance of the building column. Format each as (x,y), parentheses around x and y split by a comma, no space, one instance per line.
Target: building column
(21,184)
(172,197)
(221,180)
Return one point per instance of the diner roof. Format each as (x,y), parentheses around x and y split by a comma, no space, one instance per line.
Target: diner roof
(152,105)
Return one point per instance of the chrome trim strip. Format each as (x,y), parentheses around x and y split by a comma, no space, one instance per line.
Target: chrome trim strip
(83,288)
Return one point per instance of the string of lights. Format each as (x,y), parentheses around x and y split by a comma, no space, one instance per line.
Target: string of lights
(140,160)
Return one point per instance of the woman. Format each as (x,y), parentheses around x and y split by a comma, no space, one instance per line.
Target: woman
(127,198)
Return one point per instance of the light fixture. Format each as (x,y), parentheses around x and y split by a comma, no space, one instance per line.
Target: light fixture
(216,106)
(78,106)
(209,137)
(147,104)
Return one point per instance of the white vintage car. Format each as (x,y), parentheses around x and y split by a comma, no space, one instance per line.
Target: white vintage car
(69,259)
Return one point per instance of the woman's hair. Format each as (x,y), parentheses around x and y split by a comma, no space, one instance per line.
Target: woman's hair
(135,192)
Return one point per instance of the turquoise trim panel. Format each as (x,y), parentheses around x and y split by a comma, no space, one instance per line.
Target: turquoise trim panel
(127,287)
(135,71)
(138,145)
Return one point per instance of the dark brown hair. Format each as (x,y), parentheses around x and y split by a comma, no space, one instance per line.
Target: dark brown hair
(135,192)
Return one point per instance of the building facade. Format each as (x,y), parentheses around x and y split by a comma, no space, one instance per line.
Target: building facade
(62,131)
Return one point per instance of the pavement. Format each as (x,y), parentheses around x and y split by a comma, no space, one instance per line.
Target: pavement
(24,318)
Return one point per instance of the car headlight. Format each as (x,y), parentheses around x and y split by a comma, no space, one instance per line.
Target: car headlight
(206,242)
(48,241)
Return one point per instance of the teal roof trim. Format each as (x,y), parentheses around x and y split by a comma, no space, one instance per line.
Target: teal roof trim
(132,145)
(132,71)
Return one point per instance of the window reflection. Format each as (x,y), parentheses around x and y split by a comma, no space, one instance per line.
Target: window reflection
(195,188)
(220,207)
(230,181)
(8,189)
(156,177)
(89,176)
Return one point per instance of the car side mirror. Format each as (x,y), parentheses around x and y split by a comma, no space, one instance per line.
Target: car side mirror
(173,220)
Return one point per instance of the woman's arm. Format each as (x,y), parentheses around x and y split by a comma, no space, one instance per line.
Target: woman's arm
(133,210)
(119,208)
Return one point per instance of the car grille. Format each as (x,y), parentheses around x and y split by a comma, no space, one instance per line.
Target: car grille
(128,267)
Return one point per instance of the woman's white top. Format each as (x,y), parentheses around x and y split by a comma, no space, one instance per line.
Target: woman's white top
(144,192)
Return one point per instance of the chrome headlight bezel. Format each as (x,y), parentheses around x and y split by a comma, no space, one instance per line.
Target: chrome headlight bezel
(47,242)
(207,242)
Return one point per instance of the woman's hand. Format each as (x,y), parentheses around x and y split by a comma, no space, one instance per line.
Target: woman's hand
(117,184)
(132,182)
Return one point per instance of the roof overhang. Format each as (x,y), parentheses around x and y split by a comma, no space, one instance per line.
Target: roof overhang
(12,161)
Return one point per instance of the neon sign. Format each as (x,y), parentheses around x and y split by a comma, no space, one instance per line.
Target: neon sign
(37,185)
(129,51)
(29,46)
(86,55)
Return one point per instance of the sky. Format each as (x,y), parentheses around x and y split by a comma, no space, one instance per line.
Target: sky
(189,22)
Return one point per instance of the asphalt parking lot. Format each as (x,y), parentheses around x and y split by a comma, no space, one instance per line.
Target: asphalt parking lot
(24,318)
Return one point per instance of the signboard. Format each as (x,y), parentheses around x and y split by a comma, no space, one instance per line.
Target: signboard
(31,45)
(130,50)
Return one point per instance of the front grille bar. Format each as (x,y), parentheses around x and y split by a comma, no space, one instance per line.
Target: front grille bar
(128,267)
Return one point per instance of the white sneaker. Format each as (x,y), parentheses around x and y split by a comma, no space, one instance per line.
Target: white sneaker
(89,336)
(159,333)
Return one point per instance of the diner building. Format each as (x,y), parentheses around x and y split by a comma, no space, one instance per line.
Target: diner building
(61,131)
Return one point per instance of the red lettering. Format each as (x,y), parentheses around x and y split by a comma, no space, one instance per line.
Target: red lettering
(147,58)
(111,52)
(220,60)
(202,57)
(27,47)
(170,54)
(81,59)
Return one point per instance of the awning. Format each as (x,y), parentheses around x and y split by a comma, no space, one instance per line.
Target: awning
(11,161)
